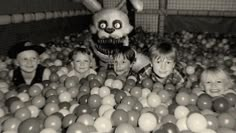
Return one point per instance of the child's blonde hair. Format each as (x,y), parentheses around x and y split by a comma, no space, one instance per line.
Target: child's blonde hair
(216,73)
(83,50)
(165,49)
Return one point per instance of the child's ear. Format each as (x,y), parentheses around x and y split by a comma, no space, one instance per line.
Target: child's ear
(72,64)
(16,62)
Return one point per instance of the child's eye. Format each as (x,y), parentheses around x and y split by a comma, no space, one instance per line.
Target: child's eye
(208,82)
(124,62)
(158,62)
(219,82)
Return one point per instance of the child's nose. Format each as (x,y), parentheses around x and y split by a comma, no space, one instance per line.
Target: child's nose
(163,66)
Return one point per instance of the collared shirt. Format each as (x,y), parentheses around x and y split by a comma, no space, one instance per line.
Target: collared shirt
(174,78)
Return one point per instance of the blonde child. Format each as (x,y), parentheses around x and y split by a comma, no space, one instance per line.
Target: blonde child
(29,70)
(82,62)
(164,62)
(215,81)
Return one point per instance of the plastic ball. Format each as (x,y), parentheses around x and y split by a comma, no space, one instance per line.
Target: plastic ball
(77,128)
(108,82)
(94,101)
(73,91)
(107,114)
(31,125)
(212,122)
(147,122)
(86,119)
(104,91)
(226,121)
(16,105)
(119,116)
(170,128)
(23,113)
(34,90)
(117,84)
(182,124)
(157,87)
(231,98)
(109,99)
(34,111)
(196,122)
(11,124)
(124,107)
(193,99)
(24,97)
(204,102)
(125,128)
(95,90)
(119,95)
(208,131)
(39,101)
(136,92)
(169,119)
(48,130)
(104,108)
(68,120)
(220,105)
(182,98)
(153,100)
(82,109)
(147,83)
(164,95)
(53,122)
(129,100)
(145,92)
(161,110)
(137,106)
(103,125)
(181,112)
(51,108)
(65,97)
(133,117)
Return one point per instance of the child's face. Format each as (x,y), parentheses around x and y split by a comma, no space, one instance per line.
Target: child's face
(214,85)
(163,66)
(121,65)
(81,62)
(28,60)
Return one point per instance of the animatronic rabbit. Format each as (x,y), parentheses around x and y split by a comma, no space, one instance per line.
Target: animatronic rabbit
(110,28)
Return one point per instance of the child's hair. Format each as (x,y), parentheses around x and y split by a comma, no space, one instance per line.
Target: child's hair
(83,50)
(164,49)
(127,52)
(216,73)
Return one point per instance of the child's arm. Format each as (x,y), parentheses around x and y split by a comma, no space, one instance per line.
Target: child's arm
(46,74)
(11,74)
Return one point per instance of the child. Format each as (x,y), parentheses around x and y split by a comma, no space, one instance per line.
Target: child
(29,71)
(164,58)
(215,82)
(123,61)
(82,63)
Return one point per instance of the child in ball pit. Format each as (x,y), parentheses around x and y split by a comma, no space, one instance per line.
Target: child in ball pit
(164,62)
(123,61)
(216,81)
(82,62)
(26,58)
(128,64)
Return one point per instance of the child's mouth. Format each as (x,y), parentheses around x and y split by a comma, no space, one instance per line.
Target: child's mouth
(214,91)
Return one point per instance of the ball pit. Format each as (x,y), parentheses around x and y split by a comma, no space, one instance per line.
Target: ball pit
(106,103)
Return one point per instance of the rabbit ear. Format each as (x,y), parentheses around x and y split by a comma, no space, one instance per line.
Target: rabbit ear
(137,4)
(120,4)
(92,5)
